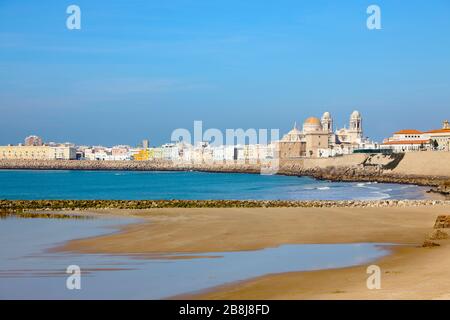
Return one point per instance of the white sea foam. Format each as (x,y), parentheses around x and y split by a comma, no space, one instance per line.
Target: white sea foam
(361,185)
(365,185)
(381,196)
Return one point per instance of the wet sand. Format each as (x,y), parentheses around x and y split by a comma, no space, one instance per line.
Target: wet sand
(411,272)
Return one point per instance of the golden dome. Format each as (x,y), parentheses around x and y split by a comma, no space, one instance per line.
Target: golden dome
(313,121)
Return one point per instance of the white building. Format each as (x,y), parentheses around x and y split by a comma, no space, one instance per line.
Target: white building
(120,153)
(97,153)
(440,138)
(167,152)
(407,140)
(416,140)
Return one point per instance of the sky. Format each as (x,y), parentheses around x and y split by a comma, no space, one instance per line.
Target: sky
(140,69)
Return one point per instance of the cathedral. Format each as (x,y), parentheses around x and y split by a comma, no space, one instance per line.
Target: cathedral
(318,138)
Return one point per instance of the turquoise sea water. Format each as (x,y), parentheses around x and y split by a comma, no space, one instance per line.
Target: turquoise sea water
(129,185)
(29,271)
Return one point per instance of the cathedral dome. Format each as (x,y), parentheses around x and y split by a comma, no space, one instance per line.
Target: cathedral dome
(312,124)
(326,116)
(294,131)
(355,115)
(312,121)
(293,135)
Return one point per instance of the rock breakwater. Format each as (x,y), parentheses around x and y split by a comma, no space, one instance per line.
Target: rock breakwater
(21,205)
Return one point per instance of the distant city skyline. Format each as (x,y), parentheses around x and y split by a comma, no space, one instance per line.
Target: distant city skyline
(141,70)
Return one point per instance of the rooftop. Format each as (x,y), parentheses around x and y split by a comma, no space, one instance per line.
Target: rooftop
(439,131)
(409,131)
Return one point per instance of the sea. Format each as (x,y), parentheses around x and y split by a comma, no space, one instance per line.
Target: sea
(166,185)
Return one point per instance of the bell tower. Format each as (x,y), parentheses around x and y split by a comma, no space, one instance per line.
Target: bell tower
(355,130)
(327,122)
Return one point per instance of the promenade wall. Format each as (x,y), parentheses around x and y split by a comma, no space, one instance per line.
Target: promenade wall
(425,163)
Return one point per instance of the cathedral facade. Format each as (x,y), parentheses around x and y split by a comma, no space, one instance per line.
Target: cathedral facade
(318,138)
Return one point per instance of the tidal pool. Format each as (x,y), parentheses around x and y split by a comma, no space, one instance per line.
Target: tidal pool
(29,271)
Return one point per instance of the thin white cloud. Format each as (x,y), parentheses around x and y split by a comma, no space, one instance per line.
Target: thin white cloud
(123,86)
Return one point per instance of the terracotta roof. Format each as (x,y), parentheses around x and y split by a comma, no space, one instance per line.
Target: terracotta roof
(439,131)
(409,131)
(407,142)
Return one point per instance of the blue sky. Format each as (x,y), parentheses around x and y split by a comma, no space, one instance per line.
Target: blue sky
(140,69)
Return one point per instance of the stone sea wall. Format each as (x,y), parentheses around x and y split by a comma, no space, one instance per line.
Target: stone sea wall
(363,173)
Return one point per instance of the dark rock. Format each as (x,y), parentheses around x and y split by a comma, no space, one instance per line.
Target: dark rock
(438,235)
(442,222)
(430,244)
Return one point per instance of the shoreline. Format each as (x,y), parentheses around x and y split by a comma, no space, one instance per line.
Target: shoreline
(312,284)
(223,292)
(239,229)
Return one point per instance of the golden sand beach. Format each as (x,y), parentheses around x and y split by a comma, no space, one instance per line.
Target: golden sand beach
(410,272)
